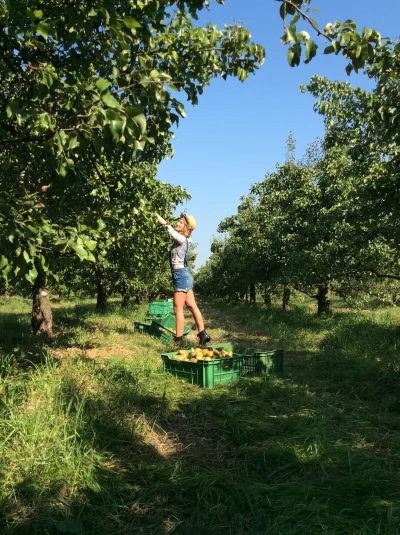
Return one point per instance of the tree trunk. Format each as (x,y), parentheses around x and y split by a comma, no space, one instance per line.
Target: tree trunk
(242,295)
(324,303)
(286,298)
(42,317)
(138,299)
(253,293)
(125,293)
(267,297)
(102,294)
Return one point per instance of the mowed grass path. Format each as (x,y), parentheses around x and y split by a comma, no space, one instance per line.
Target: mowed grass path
(96,439)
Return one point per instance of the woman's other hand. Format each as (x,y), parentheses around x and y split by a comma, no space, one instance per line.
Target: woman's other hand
(161,220)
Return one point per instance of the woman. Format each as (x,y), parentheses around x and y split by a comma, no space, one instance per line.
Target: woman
(182,279)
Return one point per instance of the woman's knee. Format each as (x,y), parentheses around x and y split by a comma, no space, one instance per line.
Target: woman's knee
(178,309)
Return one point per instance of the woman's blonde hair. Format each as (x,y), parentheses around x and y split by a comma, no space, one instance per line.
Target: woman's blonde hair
(189,224)
(187,229)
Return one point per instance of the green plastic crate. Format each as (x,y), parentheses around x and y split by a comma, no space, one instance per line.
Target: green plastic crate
(166,332)
(159,309)
(141,327)
(207,374)
(157,317)
(262,362)
(168,321)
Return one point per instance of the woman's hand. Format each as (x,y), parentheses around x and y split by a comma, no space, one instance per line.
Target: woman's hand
(161,220)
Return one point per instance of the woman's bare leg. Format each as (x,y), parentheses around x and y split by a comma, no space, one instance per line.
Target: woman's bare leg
(179,301)
(194,309)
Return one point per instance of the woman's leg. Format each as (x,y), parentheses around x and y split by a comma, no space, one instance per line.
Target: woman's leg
(179,301)
(194,309)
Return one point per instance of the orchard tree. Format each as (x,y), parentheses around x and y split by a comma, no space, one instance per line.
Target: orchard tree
(364,126)
(129,255)
(303,227)
(88,81)
(102,74)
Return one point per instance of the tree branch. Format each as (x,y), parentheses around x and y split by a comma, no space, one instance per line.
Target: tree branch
(307,19)
(304,292)
(386,276)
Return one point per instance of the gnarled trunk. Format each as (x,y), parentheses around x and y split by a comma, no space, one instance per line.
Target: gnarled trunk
(324,304)
(42,317)
(286,298)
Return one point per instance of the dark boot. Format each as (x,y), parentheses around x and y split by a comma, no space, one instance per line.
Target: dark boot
(203,338)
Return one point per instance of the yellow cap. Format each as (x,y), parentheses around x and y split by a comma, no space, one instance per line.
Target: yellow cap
(190,221)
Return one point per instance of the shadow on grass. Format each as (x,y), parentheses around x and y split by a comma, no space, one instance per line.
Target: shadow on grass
(243,459)
(302,454)
(73,326)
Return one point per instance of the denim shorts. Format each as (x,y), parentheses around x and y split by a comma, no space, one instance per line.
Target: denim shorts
(182,280)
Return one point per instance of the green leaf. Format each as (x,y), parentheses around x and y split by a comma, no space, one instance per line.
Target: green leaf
(173,87)
(73,143)
(31,14)
(180,108)
(311,50)
(3,262)
(44,29)
(13,109)
(130,22)
(137,117)
(329,50)
(91,244)
(26,257)
(350,24)
(116,123)
(80,251)
(110,101)
(293,57)
(31,275)
(106,14)
(102,84)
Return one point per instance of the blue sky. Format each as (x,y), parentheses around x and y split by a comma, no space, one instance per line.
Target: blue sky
(238,131)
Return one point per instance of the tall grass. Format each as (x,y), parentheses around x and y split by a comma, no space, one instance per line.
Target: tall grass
(96,439)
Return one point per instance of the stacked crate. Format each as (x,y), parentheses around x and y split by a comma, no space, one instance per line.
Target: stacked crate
(160,322)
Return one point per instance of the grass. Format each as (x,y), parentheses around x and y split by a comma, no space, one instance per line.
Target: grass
(96,439)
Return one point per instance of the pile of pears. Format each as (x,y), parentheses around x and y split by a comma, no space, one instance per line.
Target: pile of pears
(197,354)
